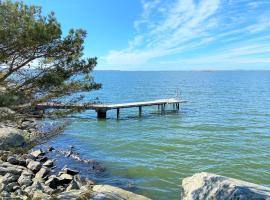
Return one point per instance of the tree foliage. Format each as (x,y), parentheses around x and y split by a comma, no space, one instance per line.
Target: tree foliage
(37,63)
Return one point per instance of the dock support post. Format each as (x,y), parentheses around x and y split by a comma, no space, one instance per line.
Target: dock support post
(101,114)
(118,113)
(163,107)
(140,111)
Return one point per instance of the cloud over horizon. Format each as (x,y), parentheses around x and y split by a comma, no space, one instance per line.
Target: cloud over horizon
(193,34)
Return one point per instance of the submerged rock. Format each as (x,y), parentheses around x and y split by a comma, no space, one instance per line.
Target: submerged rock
(211,186)
(50,149)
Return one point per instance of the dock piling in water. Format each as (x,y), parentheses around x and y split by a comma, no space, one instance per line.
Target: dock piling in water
(118,113)
(140,110)
(101,114)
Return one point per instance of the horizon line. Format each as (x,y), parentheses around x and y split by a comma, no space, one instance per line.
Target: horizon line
(190,70)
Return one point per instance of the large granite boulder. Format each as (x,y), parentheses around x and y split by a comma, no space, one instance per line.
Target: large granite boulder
(211,186)
(11,138)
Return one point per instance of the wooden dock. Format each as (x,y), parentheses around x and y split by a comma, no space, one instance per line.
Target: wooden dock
(102,109)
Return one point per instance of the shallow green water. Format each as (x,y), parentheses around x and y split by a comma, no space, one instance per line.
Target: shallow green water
(224,128)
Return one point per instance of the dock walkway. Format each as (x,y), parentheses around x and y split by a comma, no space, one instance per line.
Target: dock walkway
(102,109)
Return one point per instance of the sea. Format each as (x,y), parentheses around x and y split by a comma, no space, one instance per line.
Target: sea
(223,128)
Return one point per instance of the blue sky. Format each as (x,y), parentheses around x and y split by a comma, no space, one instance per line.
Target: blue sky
(170,34)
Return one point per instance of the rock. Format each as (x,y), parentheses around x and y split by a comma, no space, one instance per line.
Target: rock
(58,190)
(4,155)
(22,163)
(9,169)
(65,178)
(28,156)
(26,125)
(211,186)
(10,186)
(9,178)
(5,112)
(70,171)
(73,186)
(41,173)
(53,182)
(11,138)
(28,161)
(70,195)
(19,193)
(5,194)
(12,160)
(79,181)
(16,197)
(88,182)
(48,190)
(34,166)
(114,193)
(3,187)
(8,165)
(16,187)
(25,179)
(43,159)
(48,163)
(34,187)
(37,153)
(50,149)
(40,195)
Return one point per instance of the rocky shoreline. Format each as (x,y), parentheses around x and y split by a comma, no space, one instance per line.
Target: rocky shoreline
(31,174)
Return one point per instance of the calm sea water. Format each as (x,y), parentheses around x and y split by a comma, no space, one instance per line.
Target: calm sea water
(224,128)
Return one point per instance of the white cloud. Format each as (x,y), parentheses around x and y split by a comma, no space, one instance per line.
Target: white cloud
(176,27)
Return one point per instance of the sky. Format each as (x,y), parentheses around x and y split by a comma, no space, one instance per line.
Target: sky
(170,34)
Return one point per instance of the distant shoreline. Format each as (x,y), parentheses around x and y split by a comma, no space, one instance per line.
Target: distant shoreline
(206,70)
